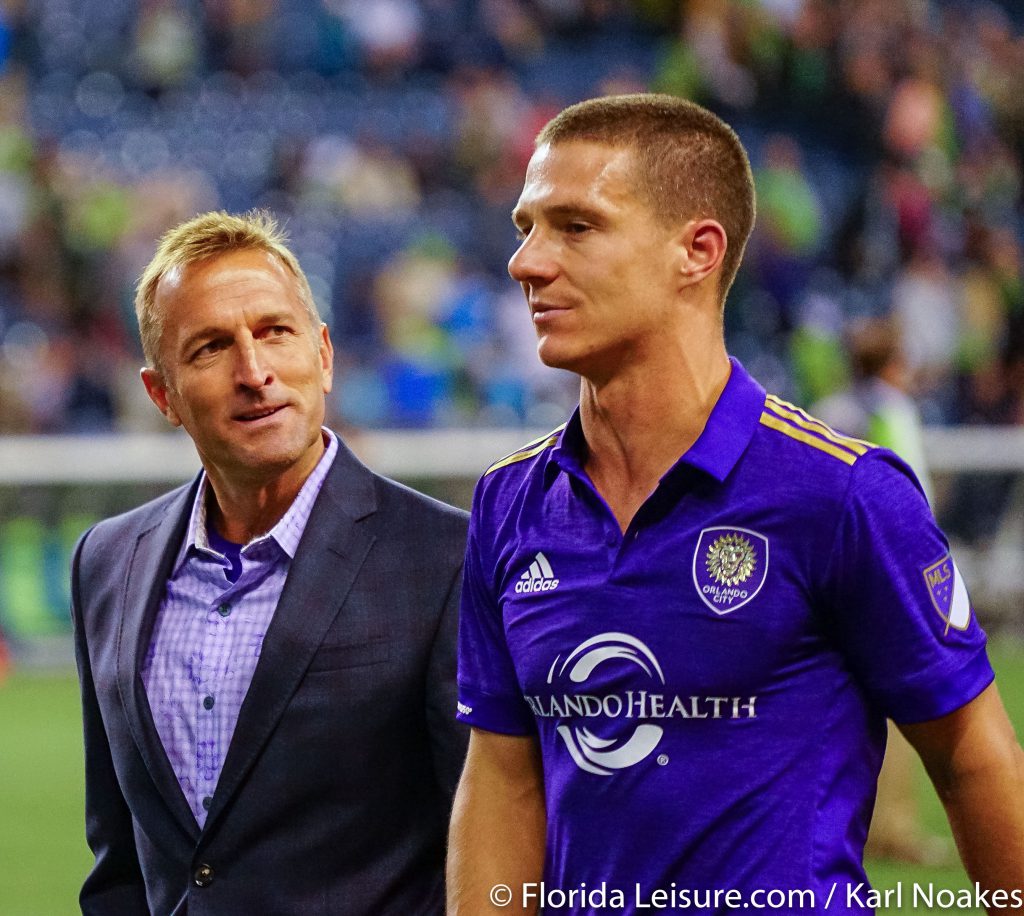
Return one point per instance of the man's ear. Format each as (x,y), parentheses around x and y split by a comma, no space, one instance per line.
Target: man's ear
(702,246)
(156,388)
(326,351)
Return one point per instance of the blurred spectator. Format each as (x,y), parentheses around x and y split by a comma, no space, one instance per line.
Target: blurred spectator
(364,178)
(5,658)
(928,311)
(877,405)
(166,46)
(789,230)
(412,295)
(239,34)
(389,32)
(495,127)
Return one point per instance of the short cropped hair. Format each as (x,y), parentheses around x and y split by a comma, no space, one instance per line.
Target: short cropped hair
(690,163)
(203,237)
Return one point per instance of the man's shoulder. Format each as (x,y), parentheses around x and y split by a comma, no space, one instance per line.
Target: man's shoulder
(787,433)
(507,476)
(525,459)
(104,552)
(415,524)
(513,487)
(120,529)
(412,507)
(818,461)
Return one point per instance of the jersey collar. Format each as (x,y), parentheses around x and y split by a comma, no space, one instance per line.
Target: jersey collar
(726,435)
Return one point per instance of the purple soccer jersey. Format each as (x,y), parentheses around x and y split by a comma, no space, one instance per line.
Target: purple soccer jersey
(709,689)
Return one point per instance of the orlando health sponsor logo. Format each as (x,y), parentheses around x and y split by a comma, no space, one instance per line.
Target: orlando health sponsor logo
(601,755)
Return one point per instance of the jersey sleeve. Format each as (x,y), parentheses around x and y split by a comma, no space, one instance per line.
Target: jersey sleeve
(900,608)
(489,693)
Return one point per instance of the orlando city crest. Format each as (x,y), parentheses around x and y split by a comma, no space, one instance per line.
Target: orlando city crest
(729,567)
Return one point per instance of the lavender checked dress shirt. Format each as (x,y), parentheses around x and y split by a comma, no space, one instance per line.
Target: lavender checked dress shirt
(208,636)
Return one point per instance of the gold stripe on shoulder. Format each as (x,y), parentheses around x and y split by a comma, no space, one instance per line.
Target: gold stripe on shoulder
(795,432)
(527,451)
(794,414)
(537,441)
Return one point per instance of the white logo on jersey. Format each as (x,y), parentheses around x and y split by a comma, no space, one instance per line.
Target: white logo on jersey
(538,578)
(588,751)
(571,703)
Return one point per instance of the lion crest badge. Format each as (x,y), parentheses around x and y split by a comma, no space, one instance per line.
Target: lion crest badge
(729,567)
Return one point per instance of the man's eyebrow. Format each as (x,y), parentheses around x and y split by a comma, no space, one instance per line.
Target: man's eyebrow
(207,333)
(212,331)
(563,211)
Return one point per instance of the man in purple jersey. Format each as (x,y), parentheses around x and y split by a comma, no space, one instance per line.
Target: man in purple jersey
(687,613)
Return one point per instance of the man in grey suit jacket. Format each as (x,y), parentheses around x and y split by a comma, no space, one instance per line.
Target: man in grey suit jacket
(266,654)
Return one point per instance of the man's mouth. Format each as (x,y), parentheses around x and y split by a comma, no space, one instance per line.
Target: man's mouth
(257,413)
(542,311)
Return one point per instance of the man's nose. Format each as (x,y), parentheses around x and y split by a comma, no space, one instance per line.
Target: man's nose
(533,261)
(252,370)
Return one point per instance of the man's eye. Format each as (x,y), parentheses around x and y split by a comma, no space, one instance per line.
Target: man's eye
(208,348)
(577,228)
(277,330)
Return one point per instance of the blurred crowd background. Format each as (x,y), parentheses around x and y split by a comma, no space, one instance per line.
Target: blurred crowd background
(883,286)
(392,135)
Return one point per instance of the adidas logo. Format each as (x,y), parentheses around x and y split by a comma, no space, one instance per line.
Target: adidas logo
(540,577)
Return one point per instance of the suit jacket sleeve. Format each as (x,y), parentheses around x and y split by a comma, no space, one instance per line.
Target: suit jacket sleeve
(448,736)
(114,885)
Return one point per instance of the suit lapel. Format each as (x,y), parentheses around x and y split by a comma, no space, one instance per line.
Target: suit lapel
(332,550)
(150,567)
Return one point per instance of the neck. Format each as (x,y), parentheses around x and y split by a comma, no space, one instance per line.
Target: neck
(638,422)
(245,509)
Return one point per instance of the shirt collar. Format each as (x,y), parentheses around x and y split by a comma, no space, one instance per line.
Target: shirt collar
(286,533)
(725,437)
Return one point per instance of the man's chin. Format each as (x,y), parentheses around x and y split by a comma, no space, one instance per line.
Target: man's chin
(262,462)
(559,357)
(554,356)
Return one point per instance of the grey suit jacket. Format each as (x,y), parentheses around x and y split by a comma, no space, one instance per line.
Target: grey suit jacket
(337,785)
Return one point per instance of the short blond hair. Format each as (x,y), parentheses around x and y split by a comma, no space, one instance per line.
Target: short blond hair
(203,237)
(690,163)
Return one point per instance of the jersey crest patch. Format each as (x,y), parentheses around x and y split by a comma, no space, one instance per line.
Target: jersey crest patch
(729,567)
(948,593)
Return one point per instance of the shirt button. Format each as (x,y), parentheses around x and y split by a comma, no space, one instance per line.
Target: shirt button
(208,703)
(224,610)
(203,876)
(207,801)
